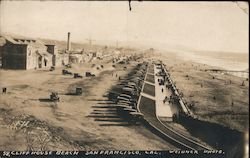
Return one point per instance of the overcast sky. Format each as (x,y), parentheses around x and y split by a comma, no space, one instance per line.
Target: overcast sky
(203,26)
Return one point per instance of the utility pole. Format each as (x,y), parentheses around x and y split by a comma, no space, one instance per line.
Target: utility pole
(89,40)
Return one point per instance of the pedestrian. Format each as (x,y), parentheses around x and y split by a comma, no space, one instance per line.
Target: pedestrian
(166,98)
(4,90)
(162,90)
(243,83)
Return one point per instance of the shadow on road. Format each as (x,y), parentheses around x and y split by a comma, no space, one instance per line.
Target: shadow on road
(104,107)
(71,93)
(98,100)
(113,124)
(105,116)
(105,113)
(109,120)
(45,100)
(109,103)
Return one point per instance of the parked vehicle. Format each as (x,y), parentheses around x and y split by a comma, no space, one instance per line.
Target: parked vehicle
(89,74)
(78,91)
(54,96)
(66,72)
(125,96)
(76,75)
(68,66)
(52,68)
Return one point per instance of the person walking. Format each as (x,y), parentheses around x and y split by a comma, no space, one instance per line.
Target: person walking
(4,90)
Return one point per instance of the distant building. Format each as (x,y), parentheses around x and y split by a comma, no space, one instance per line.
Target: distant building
(58,58)
(76,57)
(96,55)
(117,52)
(99,55)
(87,57)
(52,49)
(25,54)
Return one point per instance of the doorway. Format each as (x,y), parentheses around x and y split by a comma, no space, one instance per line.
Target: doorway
(45,62)
(40,61)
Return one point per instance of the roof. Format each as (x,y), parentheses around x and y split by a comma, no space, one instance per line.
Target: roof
(25,41)
(48,42)
(45,54)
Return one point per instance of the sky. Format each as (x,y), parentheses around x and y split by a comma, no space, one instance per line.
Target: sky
(210,26)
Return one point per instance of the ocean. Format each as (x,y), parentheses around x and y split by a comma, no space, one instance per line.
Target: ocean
(225,61)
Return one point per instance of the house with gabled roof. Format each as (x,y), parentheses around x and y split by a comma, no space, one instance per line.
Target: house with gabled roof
(24,53)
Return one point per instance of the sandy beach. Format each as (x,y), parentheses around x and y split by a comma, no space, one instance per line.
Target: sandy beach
(217,97)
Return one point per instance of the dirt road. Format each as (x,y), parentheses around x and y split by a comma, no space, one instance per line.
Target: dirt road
(28,121)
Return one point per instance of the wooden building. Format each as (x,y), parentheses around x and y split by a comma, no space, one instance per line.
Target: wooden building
(20,53)
(23,53)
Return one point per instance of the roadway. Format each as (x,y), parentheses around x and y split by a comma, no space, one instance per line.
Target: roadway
(147,106)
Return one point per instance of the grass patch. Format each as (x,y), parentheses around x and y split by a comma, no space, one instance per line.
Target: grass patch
(149,89)
(147,106)
(150,78)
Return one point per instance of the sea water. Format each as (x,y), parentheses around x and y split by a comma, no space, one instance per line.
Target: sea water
(222,63)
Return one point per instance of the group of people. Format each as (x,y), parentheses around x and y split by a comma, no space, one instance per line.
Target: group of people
(170,99)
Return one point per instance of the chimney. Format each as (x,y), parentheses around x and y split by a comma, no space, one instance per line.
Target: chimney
(68,42)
